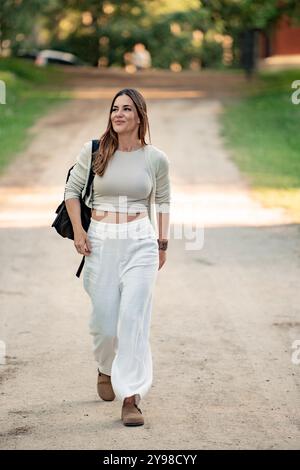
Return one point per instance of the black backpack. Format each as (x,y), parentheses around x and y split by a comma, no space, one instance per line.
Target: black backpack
(62,222)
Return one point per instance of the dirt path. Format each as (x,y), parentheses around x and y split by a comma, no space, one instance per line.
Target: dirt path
(224,316)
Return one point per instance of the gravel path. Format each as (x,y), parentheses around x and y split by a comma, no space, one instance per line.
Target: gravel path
(225,315)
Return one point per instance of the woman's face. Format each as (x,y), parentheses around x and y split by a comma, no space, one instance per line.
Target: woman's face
(124,116)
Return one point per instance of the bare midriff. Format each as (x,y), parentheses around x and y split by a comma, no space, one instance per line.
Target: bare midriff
(116,217)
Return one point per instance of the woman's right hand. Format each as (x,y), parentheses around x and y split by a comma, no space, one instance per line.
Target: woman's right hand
(82,243)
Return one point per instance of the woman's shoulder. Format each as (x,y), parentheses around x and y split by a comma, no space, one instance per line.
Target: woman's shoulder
(84,154)
(86,145)
(157,154)
(85,150)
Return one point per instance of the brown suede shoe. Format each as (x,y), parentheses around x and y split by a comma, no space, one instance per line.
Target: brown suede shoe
(131,415)
(104,387)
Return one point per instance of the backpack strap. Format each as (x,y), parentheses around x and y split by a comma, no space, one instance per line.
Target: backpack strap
(95,146)
(80,267)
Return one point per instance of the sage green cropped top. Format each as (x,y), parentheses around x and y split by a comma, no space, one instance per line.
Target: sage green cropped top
(127,183)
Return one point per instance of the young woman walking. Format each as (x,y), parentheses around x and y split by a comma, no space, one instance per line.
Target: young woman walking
(124,247)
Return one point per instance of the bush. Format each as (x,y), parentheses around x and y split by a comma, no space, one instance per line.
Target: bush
(211,54)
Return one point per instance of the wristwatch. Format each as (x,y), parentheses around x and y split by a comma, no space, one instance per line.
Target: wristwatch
(162,244)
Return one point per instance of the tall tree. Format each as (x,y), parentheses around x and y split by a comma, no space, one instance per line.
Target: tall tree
(16,20)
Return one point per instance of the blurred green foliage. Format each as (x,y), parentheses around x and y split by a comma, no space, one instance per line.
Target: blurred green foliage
(92,29)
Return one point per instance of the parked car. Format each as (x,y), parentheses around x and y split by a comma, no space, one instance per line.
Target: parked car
(49,56)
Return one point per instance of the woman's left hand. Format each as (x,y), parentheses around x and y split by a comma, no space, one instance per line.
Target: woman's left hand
(162,258)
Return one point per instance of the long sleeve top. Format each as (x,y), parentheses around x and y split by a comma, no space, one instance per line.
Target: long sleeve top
(133,181)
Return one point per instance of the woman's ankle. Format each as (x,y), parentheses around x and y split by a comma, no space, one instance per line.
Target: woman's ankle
(129,400)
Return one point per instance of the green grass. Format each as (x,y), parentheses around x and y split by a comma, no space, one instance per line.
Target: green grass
(262,131)
(29,94)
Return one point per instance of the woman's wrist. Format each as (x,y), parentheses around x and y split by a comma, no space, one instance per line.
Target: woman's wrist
(162,244)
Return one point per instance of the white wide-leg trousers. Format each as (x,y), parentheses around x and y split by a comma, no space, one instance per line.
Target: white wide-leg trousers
(119,276)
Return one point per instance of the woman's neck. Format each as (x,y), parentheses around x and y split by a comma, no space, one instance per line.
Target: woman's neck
(128,146)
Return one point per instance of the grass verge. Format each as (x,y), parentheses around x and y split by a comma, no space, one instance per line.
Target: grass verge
(262,132)
(29,93)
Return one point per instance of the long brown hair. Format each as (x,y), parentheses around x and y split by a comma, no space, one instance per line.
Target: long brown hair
(109,140)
